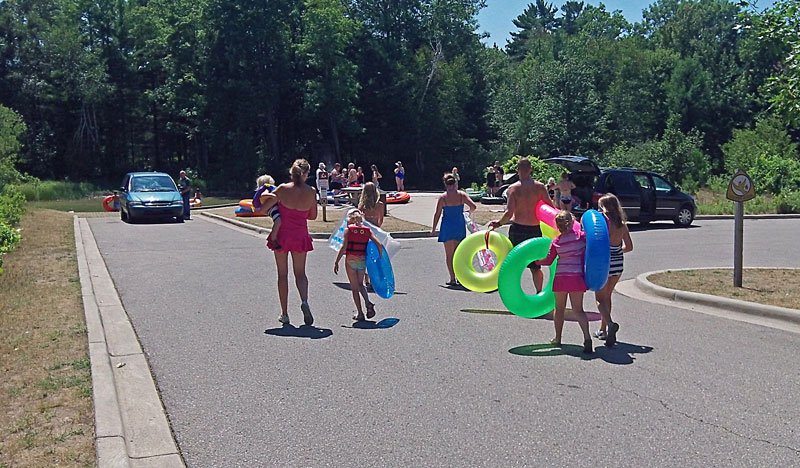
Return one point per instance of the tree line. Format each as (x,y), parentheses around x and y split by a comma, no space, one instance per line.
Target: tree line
(233,89)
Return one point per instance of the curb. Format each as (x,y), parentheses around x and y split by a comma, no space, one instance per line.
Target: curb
(131,426)
(314,235)
(751,308)
(752,216)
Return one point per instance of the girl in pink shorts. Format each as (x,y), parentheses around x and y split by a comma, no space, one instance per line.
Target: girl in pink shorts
(568,281)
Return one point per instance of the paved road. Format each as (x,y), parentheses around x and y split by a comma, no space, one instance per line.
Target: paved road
(444,387)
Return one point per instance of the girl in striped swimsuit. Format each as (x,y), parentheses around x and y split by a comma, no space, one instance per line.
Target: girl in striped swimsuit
(620,239)
(568,282)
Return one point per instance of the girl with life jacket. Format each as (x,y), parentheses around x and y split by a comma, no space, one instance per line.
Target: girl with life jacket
(354,246)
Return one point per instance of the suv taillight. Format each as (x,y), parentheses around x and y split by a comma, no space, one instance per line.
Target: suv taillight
(596,198)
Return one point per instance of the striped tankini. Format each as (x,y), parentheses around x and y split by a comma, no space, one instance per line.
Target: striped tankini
(617,260)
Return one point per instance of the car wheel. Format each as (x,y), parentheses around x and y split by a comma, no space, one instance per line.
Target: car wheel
(685,216)
(122,215)
(179,219)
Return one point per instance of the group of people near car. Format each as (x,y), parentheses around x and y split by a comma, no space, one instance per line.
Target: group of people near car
(523,197)
(294,204)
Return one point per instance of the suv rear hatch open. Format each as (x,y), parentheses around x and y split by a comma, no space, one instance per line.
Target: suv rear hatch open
(583,173)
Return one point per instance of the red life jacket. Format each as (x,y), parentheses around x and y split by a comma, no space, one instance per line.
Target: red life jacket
(357,239)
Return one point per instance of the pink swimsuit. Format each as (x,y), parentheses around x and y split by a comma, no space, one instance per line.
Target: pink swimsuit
(293,234)
(569,248)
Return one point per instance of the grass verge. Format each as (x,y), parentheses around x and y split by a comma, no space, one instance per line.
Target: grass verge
(778,287)
(390,224)
(46,385)
(95,204)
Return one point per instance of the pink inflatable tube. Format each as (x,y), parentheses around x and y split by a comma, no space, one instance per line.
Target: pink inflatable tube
(547,218)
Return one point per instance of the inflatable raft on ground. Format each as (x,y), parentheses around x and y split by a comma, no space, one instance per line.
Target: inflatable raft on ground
(397,197)
(246,210)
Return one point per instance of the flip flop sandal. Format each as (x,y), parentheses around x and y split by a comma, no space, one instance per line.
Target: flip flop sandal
(358,318)
(370,310)
(555,342)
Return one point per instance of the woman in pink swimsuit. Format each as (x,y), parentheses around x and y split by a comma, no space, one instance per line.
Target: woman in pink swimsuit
(297,203)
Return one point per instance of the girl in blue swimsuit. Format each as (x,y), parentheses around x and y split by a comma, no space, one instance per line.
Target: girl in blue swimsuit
(450,208)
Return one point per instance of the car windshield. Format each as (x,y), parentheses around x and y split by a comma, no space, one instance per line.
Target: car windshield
(152,183)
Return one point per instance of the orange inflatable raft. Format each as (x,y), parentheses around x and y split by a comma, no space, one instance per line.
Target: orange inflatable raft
(246,210)
(397,197)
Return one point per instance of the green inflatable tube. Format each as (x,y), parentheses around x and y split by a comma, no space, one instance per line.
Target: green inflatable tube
(510,278)
(466,251)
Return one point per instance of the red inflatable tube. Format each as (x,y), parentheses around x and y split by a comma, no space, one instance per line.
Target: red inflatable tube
(108,200)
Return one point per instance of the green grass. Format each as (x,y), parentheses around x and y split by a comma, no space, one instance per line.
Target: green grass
(711,203)
(93,205)
(79,206)
(212,201)
(48,190)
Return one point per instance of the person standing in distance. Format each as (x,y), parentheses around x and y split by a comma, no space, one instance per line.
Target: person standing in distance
(498,177)
(400,176)
(185,187)
(321,174)
(523,196)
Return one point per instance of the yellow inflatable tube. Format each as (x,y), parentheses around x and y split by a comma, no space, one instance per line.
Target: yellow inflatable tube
(466,251)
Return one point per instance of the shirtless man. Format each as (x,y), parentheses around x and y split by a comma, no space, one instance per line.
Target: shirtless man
(565,187)
(523,197)
(352,174)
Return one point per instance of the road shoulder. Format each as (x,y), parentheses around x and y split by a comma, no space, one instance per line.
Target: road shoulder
(132,429)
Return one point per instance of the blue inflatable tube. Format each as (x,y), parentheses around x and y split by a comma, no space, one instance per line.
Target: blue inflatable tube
(380,271)
(597,259)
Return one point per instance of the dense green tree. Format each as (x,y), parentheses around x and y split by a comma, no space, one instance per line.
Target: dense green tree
(779,29)
(536,25)
(331,88)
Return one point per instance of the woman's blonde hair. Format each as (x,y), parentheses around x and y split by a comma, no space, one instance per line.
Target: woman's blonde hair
(564,221)
(610,206)
(299,170)
(369,197)
(264,180)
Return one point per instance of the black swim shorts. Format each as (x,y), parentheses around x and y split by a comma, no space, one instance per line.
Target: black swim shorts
(519,233)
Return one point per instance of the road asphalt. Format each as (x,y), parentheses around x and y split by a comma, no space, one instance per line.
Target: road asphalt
(446,377)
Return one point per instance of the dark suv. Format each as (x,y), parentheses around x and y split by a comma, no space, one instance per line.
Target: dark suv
(645,195)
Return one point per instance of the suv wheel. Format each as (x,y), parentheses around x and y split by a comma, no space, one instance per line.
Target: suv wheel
(685,216)
(122,215)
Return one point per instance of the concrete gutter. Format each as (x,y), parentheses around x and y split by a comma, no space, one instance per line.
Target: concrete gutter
(744,307)
(131,426)
(314,235)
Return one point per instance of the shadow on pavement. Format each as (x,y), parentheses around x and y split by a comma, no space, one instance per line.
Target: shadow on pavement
(456,287)
(633,226)
(621,353)
(303,331)
(388,322)
(568,316)
(346,287)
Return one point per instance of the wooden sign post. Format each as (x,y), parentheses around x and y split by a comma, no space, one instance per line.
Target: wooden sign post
(740,190)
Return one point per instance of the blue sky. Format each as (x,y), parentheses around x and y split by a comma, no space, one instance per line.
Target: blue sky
(497,16)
